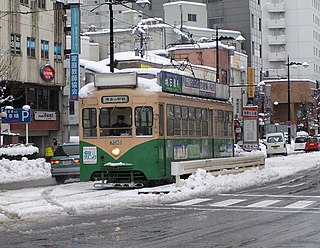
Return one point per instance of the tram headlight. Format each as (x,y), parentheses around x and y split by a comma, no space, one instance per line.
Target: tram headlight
(115,151)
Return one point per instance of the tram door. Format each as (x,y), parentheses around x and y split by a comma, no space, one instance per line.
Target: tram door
(163,170)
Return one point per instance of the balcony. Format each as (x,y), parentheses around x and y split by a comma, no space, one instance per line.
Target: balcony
(278,23)
(277,56)
(276,40)
(276,7)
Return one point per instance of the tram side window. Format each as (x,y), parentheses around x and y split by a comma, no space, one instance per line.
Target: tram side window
(184,123)
(230,124)
(177,120)
(198,122)
(192,117)
(170,120)
(143,120)
(161,120)
(89,122)
(218,123)
(204,115)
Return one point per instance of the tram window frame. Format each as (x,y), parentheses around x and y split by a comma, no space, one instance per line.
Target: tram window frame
(191,125)
(170,119)
(177,120)
(143,127)
(89,122)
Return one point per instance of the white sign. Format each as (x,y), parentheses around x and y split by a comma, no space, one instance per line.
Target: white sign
(116,80)
(75,1)
(250,131)
(45,116)
(89,154)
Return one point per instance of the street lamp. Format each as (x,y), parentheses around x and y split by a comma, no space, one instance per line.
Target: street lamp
(305,65)
(141,3)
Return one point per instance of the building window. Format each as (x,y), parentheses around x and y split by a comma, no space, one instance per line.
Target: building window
(215,22)
(71,108)
(57,51)
(31,47)
(42,4)
(25,2)
(192,17)
(44,49)
(16,44)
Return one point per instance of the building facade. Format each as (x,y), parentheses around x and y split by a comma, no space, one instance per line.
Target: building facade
(241,15)
(32,45)
(291,28)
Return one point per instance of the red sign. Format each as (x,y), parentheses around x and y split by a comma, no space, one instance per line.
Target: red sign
(250,112)
(47,72)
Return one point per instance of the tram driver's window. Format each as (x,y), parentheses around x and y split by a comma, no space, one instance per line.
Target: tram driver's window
(89,122)
(143,120)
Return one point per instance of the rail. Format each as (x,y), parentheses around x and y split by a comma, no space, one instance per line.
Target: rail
(216,166)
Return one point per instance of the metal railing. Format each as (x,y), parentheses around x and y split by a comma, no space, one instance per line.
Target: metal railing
(216,166)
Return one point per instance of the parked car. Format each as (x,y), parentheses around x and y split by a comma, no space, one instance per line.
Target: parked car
(300,143)
(276,144)
(312,144)
(65,162)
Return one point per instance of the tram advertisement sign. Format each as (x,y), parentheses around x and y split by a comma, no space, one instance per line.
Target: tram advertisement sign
(185,85)
(250,128)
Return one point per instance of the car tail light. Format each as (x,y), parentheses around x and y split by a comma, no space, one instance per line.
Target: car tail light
(76,160)
(55,161)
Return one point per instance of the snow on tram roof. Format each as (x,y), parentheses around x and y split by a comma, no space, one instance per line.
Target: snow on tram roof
(150,84)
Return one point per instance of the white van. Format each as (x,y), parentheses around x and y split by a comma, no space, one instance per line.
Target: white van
(276,144)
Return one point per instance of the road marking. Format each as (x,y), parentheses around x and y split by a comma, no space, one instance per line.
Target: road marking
(300,204)
(290,186)
(275,196)
(191,202)
(262,204)
(227,203)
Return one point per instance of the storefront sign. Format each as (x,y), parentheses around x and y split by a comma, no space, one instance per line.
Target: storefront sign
(47,72)
(45,116)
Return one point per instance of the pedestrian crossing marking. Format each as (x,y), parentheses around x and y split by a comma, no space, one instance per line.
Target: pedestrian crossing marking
(262,204)
(300,204)
(191,202)
(227,203)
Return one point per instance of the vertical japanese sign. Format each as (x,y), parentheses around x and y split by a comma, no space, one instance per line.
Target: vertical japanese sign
(250,128)
(250,83)
(74,76)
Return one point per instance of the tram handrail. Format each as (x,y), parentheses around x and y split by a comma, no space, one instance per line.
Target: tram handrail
(216,166)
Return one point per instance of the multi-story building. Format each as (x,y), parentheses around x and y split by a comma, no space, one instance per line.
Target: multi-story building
(291,28)
(241,15)
(31,70)
(95,15)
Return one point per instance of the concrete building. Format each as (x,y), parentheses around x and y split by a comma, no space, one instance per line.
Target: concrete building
(303,108)
(291,28)
(32,45)
(241,15)
(97,16)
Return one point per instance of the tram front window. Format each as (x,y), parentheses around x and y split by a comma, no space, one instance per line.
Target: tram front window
(115,121)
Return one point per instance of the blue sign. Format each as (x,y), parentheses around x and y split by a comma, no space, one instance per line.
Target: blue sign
(17,116)
(74,76)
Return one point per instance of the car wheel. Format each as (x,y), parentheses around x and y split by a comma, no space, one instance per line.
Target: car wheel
(268,155)
(60,179)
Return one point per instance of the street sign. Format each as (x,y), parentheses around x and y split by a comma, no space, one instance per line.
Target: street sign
(17,116)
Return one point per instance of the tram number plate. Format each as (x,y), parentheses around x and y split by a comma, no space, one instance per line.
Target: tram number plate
(115,142)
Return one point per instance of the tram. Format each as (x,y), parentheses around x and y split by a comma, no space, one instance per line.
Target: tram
(132,127)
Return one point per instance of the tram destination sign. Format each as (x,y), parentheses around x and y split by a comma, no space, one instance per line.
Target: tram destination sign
(180,84)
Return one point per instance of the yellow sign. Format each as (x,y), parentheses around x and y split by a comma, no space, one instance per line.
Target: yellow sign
(250,82)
